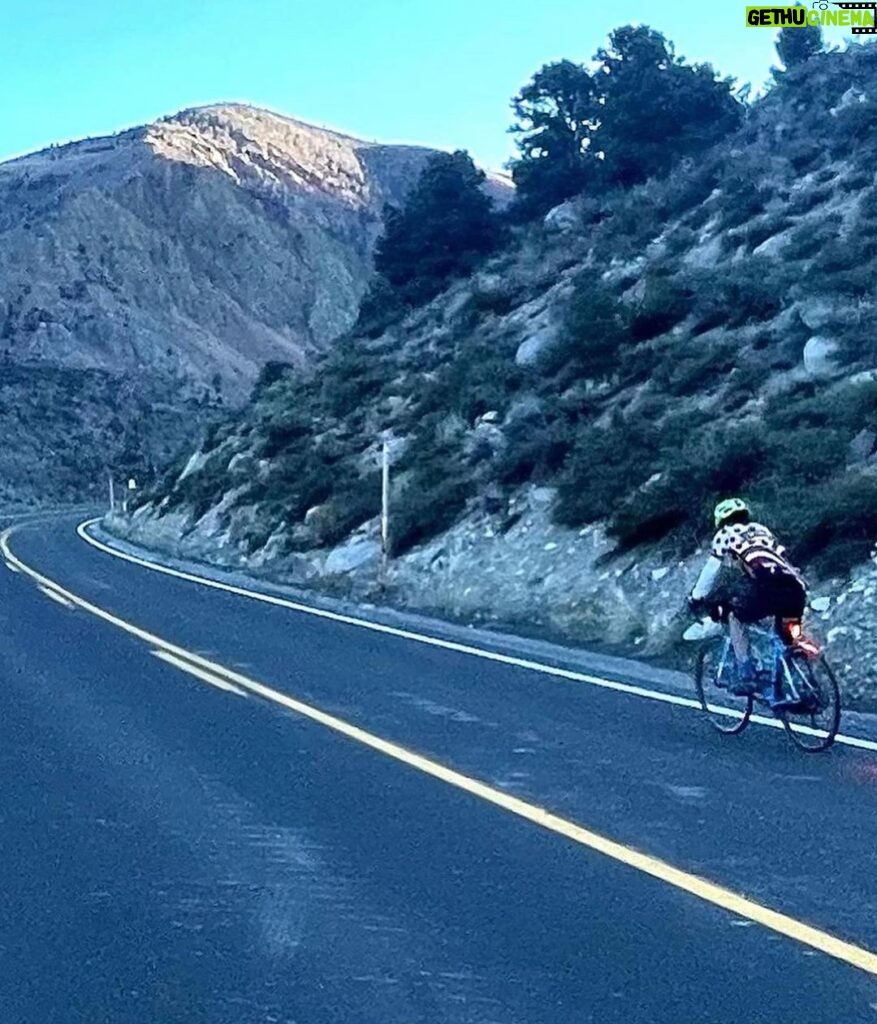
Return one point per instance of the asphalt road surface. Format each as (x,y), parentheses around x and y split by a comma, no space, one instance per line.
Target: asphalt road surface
(187,836)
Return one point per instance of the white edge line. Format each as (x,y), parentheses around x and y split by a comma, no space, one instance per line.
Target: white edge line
(477,652)
(193,670)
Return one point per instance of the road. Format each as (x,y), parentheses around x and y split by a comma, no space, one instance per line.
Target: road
(179,845)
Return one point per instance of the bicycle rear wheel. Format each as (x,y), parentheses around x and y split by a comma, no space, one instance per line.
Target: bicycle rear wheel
(727,713)
(813,725)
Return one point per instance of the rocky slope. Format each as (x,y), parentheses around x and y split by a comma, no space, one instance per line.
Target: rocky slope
(184,255)
(561,424)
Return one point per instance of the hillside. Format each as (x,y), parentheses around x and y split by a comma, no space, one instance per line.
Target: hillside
(183,255)
(562,422)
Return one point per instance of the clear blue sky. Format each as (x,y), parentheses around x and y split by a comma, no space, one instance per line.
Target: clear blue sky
(438,72)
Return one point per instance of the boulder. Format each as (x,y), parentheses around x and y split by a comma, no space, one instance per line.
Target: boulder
(354,555)
(819,355)
(850,98)
(542,497)
(242,466)
(314,514)
(862,445)
(820,311)
(562,218)
(528,409)
(455,305)
(530,351)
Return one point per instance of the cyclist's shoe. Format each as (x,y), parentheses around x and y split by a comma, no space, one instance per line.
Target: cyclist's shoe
(802,706)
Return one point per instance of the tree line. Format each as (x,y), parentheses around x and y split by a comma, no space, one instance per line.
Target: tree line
(630,115)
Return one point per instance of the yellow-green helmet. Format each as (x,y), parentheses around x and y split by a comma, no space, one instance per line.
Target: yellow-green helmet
(727,508)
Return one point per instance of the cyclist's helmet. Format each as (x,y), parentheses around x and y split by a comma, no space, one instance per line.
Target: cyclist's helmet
(727,508)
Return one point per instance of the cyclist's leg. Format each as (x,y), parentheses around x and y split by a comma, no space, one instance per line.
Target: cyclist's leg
(739,639)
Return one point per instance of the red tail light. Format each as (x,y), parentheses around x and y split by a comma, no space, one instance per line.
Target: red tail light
(794,633)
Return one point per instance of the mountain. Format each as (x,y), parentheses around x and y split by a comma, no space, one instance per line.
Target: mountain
(179,257)
(201,245)
(561,423)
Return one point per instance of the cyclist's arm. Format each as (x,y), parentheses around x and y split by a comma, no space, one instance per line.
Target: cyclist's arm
(707,579)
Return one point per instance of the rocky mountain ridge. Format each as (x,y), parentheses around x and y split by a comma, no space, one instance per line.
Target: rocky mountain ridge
(196,247)
(180,257)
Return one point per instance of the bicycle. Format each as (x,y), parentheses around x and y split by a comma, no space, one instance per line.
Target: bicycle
(805,688)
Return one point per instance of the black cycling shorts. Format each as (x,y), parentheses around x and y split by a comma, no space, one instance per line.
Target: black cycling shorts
(771,597)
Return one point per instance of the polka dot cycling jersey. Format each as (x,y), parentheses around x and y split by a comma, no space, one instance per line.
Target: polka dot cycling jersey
(754,548)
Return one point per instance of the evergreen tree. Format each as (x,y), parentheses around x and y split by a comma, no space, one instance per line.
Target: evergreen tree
(656,108)
(445,229)
(636,114)
(557,115)
(795,46)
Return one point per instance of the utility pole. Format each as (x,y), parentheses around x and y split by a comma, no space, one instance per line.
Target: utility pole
(112,493)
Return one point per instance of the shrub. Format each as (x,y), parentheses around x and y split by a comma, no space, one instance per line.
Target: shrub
(804,200)
(856,181)
(604,465)
(664,305)
(681,239)
(750,291)
(430,506)
(709,462)
(829,526)
(283,432)
(476,380)
(695,368)
(810,238)
(380,308)
(272,372)
(804,155)
(856,127)
(351,378)
(356,499)
(743,200)
(594,331)
(847,253)
(534,451)
(868,203)
(808,454)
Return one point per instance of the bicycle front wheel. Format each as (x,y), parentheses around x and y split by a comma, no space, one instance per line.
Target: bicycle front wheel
(727,714)
(812,724)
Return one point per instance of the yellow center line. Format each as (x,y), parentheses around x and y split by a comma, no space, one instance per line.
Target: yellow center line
(710,892)
(199,673)
(55,596)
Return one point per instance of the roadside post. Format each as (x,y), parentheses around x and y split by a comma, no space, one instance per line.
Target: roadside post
(129,493)
(385,508)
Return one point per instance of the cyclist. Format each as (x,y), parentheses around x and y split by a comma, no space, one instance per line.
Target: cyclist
(769,585)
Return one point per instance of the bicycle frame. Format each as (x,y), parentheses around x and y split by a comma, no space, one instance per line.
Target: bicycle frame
(778,648)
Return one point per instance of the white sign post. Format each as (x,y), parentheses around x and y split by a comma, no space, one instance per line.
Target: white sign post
(132,487)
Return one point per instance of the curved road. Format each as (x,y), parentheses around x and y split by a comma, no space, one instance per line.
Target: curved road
(220,810)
